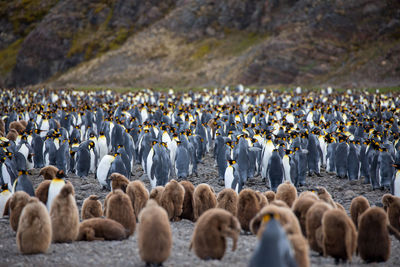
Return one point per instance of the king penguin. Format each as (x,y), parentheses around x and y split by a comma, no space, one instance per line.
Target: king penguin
(55,187)
(22,183)
(232,176)
(274,248)
(103,171)
(182,159)
(395,185)
(275,170)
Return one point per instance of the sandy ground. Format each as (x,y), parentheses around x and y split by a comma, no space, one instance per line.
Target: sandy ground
(125,253)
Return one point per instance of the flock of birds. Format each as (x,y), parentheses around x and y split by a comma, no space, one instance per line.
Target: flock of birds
(282,137)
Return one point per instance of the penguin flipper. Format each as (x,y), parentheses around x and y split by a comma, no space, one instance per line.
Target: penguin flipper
(42,191)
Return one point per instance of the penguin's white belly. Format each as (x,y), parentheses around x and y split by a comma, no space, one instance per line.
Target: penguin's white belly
(103,168)
(54,188)
(103,149)
(149,162)
(397,184)
(92,162)
(24,151)
(228,177)
(4,196)
(286,168)
(6,176)
(44,129)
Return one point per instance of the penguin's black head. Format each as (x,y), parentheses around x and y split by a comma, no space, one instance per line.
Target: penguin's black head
(22,172)
(91,144)
(396,166)
(4,187)
(231,162)
(60,174)
(120,146)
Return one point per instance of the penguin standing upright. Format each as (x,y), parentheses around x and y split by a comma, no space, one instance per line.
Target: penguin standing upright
(160,169)
(242,158)
(182,159)
(301,159)
(62,156)
(83,159)
(395,184)
(275,170)
(22,183)
(386,168)
(37,146)
(314,155)
(102,145)
(266,154)
(103,171)
(56,184)
(353,163)
(341,158)
(232,177)
(274,248)
(118,165)
(286,166)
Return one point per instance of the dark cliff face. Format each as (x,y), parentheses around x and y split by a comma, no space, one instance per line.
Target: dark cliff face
(302,42)
(77,30)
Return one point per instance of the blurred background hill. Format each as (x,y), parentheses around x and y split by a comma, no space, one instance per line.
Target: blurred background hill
(190,43)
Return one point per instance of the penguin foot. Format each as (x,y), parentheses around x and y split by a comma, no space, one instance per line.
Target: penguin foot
(318,174)
(221,182)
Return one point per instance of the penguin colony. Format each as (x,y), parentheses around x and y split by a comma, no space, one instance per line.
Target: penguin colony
(276,137)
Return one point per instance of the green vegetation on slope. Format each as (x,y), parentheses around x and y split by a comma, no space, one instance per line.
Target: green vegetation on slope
(8,57)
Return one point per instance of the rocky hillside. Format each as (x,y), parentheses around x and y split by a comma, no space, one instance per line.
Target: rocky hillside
(182,43)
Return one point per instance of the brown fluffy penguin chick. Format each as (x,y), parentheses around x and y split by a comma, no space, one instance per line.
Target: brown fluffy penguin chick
(154,234)
(357,207)
(314,224)
(48,172)
(172,199)
(101,229)
(324,195)
(301,249)
(65,216)
(91,208)
(300,208)
(392,205)
(203,199)
(287,193)
(248,206)
(270,195)
(34,231)
(156,193)
(339,236)
(188,202)
(373,236)
(340,207)
(118,181)
(279,203)
(119,208)
(262,199)
(308,194)
(17,126)
(14,206)
(227,199)
(12,135)
(211,231)
(138,194)
(285,217)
